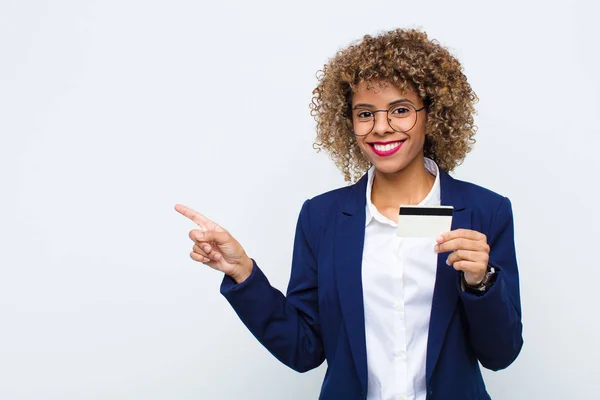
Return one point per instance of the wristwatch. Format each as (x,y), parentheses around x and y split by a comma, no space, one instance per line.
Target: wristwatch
(485,284)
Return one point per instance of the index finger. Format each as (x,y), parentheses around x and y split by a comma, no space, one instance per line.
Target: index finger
(192,214)
(462,233)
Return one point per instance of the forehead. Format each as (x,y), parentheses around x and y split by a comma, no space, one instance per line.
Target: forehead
(382,90)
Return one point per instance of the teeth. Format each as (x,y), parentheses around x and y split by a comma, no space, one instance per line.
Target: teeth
(386,147)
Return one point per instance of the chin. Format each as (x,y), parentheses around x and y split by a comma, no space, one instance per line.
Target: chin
(390,166)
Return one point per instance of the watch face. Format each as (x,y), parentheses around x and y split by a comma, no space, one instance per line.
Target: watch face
(487,280)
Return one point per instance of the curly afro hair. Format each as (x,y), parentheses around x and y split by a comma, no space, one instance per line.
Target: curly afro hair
(407,59)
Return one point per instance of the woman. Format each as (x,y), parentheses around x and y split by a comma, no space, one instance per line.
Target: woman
(406,318)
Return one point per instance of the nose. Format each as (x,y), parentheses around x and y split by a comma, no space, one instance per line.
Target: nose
(381,125)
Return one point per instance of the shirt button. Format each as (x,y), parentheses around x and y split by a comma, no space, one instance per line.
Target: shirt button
(399,352)
(399,306)
(401,398)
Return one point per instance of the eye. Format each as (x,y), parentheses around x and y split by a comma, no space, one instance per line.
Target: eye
(364,114)
(401,111)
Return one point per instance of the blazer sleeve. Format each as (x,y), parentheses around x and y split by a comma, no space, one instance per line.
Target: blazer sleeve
(288,326)
(494,318)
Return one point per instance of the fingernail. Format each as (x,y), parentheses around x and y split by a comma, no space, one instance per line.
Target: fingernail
(440,239)
(448,261)
(200,235)
(436,248)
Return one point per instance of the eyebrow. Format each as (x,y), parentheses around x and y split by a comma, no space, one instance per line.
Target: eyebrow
(393,103)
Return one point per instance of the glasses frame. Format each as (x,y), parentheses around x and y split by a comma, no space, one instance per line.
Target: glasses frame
(387,115)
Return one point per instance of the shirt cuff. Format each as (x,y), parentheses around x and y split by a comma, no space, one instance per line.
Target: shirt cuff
(466,294)
(229,285)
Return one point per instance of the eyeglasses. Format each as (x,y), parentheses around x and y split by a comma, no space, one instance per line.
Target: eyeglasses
(401,118)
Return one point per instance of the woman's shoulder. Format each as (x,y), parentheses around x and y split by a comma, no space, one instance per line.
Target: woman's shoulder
(478,192)
(321,209)
(331,197)
(326,203)
(484,201)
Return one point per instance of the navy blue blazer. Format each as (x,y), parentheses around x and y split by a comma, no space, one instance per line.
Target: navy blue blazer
(322,315)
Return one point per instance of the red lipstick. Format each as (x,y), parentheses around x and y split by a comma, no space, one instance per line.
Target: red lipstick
(385,149)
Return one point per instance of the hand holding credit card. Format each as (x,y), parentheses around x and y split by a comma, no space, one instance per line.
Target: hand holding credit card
(424,221)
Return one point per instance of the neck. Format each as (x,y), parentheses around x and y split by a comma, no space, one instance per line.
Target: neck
(408,186)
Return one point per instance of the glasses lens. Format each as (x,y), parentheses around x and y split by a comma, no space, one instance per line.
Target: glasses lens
(402,117)
(363,121)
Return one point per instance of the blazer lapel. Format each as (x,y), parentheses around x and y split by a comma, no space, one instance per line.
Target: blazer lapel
(348,249)
(445,294)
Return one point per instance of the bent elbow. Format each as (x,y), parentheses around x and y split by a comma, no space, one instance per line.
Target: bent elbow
(502,361)
(306,364)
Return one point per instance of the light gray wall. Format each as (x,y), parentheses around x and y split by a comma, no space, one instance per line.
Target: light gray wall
(113,111)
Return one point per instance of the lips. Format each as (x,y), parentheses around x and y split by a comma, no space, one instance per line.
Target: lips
(385,149)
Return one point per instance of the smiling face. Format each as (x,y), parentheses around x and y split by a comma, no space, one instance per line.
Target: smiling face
(389,149)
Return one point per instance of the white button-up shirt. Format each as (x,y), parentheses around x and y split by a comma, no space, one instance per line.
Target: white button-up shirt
(398,277)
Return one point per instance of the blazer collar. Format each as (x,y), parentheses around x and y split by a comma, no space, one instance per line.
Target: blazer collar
(348,249)
(356,200)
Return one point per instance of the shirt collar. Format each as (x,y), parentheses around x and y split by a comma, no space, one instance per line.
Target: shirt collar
(432,198)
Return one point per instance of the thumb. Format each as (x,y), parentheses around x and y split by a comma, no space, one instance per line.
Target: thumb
(212,236)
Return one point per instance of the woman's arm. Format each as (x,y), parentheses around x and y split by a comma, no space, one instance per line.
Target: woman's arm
(287,326)
(494,318)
